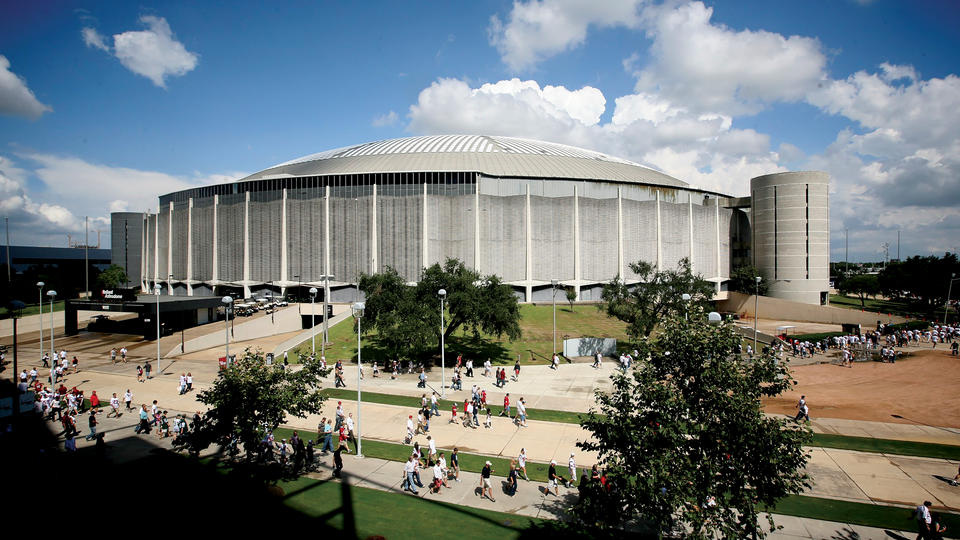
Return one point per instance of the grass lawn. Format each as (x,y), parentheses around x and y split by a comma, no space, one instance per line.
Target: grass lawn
(33,309)
(886,446)
(364,512)
(892,307)
(534,346)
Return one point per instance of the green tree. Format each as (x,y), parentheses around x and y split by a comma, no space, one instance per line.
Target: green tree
(684,439)
(922,281)
(248,399)
(861,285)
(743,279)
(408,318)
(571,295)
(112,277)
(657,295)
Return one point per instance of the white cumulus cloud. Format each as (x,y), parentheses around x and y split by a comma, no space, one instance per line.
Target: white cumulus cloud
(16,98)
(538,29)
(386,119)
(153,53)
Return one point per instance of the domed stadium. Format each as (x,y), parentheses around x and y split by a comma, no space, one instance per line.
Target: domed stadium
(528,211)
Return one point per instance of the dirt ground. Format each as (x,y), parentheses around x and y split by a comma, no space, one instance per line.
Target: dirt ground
(922,389)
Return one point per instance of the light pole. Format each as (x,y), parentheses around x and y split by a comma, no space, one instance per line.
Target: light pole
(297,277)
(156,289)
(313,333)
(53,350)
(272,309)
(326,327)
(443,348)
(227,302)
(16,309)
(40,285)
(358,313)
(553,283)
(756,312)
(953,277)
(686,306)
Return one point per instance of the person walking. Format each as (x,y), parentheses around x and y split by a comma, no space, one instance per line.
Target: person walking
(455,463)
(338,461)
(409,476)
(522,464)
(113,355)
(924,519)
(516,370)
(147,367)
(92,424)
(485,488)
(506,405)
(139,373)
(114,406)
(128,398)
(802,410)
(434,405)
(553,478)
(572,466)
(327,438)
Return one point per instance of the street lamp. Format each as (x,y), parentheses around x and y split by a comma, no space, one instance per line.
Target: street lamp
(227,302)
(313,333)
(156,289)
(756,312)
(16,309)
(297,277)
(714,318)
(358,313)
(686,305)
(443,348)
(553,283)
(326,327)
(953,277)
(53,350)
(40,285)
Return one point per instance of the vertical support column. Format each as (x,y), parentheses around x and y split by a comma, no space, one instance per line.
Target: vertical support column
(156,250)
(144,271)
(690,227)
(283,237)
(246,245)
(621,269)
(717,229)
(326,239)
(189,279)
(529,235)
(577,274)
(476,225)
(215,271)
(169,249)
(659,243)
(424,236)
(374,232)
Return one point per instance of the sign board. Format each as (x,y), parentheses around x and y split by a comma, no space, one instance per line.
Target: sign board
(588,346)
(117,295)
(27,402)
(6,406)
(223,362)
(269,358)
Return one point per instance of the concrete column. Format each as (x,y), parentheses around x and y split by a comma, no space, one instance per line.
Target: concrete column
(374,232)
(283,237)
(476,226)
(621,269)
(716,209)
(144,268)
(690,227)
(246,245)
(156,250)
(189,246)
(215,271)
(529,234)
(169,248)
(326,237)
(424,236)
(659,244)
(576,241)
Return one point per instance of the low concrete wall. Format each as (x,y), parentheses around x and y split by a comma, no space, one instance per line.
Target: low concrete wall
(588,346)
(776,308)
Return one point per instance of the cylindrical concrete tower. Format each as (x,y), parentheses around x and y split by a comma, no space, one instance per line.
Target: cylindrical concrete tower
(791,234)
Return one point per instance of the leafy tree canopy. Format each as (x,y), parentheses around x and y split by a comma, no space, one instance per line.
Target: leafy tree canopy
(658,294)
(684,440)
(861,285)
(743,279)
(923,281)
(250,398)
(407,319)
(114,276)
(571,294)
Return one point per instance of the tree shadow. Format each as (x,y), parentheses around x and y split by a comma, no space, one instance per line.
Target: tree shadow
(846,534)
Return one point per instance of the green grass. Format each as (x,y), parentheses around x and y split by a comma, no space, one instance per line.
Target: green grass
(392,515)
(886,446)
(870,515)
(534,347)
(816,336)
(547,415)
(880,306)
(33,309)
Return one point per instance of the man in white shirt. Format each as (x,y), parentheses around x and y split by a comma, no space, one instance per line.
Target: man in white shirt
(115,406)
(556,361)
(572,465)
(922,514)
(432,447)
(409,430)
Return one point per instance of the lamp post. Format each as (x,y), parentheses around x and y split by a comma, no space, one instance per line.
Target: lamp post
(686,306)
(272,309)
(443,348)
(227,302)
(156,289)
(16,309)
(358,313)
(326,327)
(553,283)
(756,312)
(40,285)
(53,350)
(297,277)
(953,277)
(313,333)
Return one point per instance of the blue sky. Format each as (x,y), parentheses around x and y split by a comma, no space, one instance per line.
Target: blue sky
(104,106)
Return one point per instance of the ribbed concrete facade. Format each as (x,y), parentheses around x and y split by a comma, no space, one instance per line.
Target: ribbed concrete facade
(791,234)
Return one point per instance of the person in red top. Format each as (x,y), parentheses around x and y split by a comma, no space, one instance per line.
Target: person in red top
(343,437)
(506,406)
(483,398)
(94,400)
(453,416)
